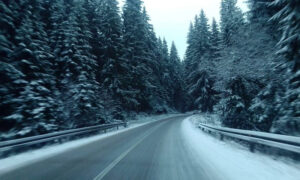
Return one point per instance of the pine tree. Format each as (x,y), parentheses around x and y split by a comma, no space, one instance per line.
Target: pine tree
(176,73)
(231,20)
(264,107)
(260,15)
(166,77)
(11,79)
(87,88)
(160,70)
(113,67)
(290,41)
(157,61)
(134,31)
(215,41)
(289,121)
(202,35)
(97,20)
(235,105)
(74,63)
(174,57)
(200,82)
(111,28)
(189,54)
(33,56)
(203,91)
(61,37)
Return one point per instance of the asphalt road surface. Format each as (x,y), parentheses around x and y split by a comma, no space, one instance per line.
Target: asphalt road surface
(155,151)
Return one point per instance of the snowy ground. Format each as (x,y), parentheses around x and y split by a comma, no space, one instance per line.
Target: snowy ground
(207,118)
(23,159)
(232,162)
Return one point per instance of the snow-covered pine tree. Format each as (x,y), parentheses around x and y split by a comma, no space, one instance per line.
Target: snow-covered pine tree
(203,91)
(264,107)
(112,65)
(95,23)
(85,94)
(61,37)
(161,100)
(260,15)
(190,63)
(235,105)
(231,20)
(12,83)
(135,29)
(189,53)
(166,77)
(157,93)
(175,63)
(33,57)
(11,79)
(202,36)
(174,57)
(110,26)
(200,84)
(288,16)
(75,65)
(215,41)
(175,60)
(176,75)
(290,26)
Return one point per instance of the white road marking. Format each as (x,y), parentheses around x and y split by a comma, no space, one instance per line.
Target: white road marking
(116,161)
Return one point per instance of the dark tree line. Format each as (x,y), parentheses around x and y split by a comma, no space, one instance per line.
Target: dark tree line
(74,63)
(247,67)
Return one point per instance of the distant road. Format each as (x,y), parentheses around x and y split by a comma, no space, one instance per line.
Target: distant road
(154,151)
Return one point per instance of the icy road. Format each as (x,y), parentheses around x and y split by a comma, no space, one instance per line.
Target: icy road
(169,149)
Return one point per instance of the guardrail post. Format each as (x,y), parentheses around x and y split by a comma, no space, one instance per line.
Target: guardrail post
(252,147)
(221,137)
(296,156)
(117,127)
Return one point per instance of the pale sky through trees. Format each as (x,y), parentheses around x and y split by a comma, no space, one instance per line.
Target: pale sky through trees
(171,18)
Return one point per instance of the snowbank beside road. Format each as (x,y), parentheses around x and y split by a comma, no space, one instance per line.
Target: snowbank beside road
(234,163)
(207,118)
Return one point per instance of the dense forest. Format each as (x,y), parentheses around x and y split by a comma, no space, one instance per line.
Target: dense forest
(246,68)
(75,63)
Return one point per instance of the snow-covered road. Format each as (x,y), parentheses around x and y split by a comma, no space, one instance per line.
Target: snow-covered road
(172,148)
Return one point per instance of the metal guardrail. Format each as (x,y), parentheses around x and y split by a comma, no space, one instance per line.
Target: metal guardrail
(288,143)
(7,145)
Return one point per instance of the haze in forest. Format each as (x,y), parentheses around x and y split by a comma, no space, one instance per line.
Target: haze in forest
(171,18)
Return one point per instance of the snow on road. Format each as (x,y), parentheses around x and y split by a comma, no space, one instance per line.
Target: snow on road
(234,163)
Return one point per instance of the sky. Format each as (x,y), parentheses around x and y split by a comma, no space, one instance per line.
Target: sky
(171,18)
